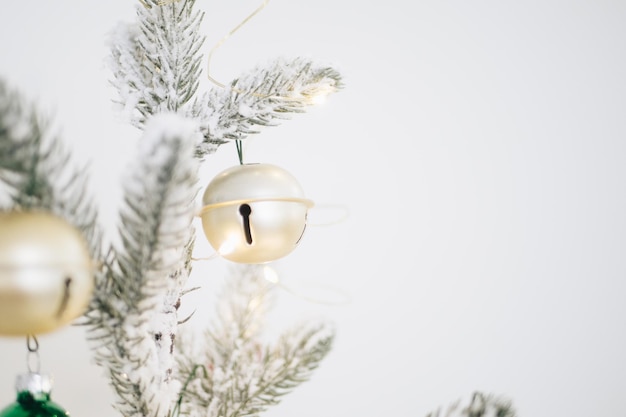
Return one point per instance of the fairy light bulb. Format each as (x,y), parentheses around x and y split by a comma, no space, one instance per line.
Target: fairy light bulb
(270,274)
(227,247)
(321,94)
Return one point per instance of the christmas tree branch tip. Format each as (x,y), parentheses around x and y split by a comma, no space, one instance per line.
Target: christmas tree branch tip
(478,405)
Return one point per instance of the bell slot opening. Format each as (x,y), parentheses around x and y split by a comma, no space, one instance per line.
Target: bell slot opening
(245,210)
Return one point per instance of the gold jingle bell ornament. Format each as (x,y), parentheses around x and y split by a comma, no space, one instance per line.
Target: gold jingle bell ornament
(254,213)
(46,273)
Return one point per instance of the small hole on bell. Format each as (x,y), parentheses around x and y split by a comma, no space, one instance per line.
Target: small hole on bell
(245,210)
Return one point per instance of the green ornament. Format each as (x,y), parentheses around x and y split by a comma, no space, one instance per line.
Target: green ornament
(33,398)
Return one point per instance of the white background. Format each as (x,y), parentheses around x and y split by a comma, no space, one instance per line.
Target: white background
(479,147)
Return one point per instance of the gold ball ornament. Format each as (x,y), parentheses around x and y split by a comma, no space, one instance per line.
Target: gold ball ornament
(254,213)
(46,273)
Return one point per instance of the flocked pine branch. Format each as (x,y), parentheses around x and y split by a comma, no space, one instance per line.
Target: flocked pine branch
(156,68)
(37,172)
(155,60)
(263,97)
(232,373)
(479,405)
(156,64)
(134,317)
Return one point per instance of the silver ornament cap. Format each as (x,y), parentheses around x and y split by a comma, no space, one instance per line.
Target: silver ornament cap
(254,213)
(33,382)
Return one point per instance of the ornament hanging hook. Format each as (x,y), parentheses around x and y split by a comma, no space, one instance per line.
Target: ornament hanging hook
(239,146)
(33,362)
(32,343)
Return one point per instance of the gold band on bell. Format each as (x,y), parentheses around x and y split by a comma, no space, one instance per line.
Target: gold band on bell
(305,201)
